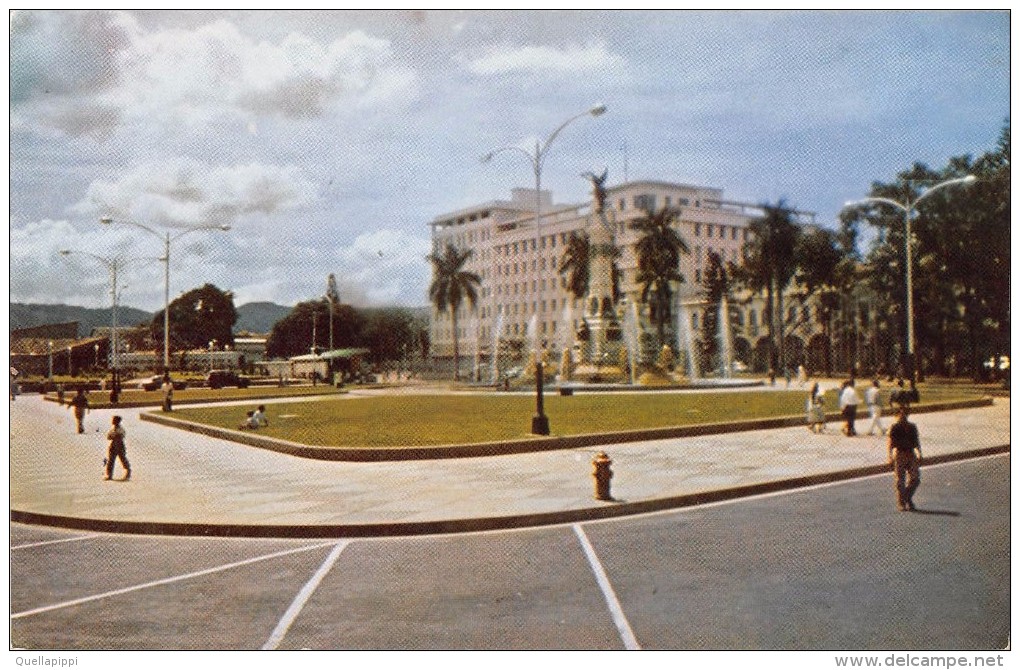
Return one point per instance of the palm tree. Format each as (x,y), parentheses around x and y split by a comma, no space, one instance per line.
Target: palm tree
(658,251)
(451,284)
(769,265)
(574,263)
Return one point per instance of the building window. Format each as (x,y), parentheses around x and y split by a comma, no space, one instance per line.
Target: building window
(694,320)
(623,204)
(669,202)
(697,230)
(645,201)
(733,233)
(708,231)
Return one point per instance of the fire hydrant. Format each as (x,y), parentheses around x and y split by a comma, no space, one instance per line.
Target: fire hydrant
(602,475)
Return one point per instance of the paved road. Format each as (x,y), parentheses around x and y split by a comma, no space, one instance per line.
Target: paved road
(831,567)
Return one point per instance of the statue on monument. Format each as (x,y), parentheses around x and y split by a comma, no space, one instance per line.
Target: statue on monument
(598,189)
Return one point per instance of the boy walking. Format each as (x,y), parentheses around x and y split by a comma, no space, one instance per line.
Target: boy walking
(117,449)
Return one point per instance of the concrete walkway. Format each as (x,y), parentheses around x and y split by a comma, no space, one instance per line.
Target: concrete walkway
(184,483)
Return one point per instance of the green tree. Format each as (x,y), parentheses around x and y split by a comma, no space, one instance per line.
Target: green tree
(715,284)
(574,263)
(819,259)
(197,318)
(658,250)
(451,285)
(308,323)
(769,265)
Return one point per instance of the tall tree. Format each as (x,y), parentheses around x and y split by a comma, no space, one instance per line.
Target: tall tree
(574,263)
(197,318)
(658,249)
(451,285)
(292,335)
(769,265)
(716,292)
(819,258)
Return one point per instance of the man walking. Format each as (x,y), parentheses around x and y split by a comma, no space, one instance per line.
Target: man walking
(873,399)
(117,449)
(905,457)
(80,404)
(848,401)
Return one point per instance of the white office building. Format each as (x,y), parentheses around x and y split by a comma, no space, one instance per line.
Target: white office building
(518,257)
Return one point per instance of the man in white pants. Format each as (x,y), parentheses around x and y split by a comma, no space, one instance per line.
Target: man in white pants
(872,398)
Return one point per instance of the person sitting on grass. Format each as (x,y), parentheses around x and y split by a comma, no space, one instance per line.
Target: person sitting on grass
(259,419)
(255,419)
(248,421)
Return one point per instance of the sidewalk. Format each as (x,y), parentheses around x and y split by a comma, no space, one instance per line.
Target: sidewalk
(185,483)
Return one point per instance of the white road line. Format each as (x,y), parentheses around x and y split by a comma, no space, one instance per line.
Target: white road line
(46,542)
(619,618)
(302,597)
(168,580)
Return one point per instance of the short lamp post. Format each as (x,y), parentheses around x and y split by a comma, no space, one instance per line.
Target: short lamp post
(50,349)
(70,369)
(908,210)
(539,422)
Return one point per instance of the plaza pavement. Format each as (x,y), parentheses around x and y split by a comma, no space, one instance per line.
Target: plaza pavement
(185,483)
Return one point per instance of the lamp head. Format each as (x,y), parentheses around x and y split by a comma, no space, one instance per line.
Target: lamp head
(969,179)
(486,158)
(65,252)
(597,110)
(106,220)
(225,227)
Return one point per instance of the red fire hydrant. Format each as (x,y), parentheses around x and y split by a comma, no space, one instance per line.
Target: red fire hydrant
(602,475)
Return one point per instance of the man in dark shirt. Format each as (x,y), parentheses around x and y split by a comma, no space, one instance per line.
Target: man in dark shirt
(905,457)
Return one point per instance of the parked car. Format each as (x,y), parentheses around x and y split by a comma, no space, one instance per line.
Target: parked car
(219,378)
(156,383)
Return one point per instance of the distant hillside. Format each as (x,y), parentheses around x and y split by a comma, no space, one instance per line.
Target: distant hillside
(254,317)
(28,315)
(259,317)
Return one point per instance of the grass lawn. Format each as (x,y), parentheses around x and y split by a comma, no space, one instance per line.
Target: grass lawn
(428,420)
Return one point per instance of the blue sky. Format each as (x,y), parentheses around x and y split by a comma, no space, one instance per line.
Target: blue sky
(328,141)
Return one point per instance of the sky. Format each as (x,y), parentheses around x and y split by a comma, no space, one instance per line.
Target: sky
(328,141)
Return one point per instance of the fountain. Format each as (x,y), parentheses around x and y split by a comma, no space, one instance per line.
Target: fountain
(690,350)
(496,333)
(476,373)
(631,325)
(725,341)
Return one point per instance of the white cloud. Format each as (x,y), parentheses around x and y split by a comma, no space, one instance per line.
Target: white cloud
(384,267)
(191,192)
(572,59)
(107,69)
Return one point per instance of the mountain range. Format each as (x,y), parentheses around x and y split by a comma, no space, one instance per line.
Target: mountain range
(253,317)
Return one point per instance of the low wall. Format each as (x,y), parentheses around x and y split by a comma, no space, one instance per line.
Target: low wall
(535,444)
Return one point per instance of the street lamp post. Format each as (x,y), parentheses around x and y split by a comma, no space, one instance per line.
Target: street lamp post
(166,238)
(70,371)
(112,265)
(537,157)
(908,214)
(49,377)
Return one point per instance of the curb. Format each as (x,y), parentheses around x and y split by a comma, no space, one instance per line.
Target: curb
(608,510)
(510,447)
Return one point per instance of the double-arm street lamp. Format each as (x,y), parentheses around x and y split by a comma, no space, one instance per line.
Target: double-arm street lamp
(166,238)
(113,266)
(537,157)
(908,209)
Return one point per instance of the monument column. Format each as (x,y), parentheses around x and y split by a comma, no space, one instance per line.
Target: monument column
(600,307)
